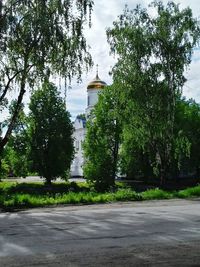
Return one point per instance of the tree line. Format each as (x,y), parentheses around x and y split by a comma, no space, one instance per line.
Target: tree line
(142,125)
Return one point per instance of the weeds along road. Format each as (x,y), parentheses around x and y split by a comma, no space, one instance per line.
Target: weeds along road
(151,233)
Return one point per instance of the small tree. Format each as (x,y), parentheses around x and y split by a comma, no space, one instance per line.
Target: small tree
(50,133)
(102,141)
(15,155)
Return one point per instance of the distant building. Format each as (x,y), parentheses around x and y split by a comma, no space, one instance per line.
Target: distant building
(93,90)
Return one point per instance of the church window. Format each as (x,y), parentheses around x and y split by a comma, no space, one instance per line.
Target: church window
(77,145)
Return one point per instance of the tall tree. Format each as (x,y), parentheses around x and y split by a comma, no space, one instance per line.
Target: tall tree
(101,147)
(37,39)
(153,52)
(51,143)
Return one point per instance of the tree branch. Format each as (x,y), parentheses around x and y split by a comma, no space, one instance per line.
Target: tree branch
(5,139)
(8,85)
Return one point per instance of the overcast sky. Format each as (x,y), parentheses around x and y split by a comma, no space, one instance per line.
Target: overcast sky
(103,15)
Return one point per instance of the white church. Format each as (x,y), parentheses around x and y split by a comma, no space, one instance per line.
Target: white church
(93,90)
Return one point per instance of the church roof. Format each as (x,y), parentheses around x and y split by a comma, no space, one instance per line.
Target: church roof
(79,123)
(96,83)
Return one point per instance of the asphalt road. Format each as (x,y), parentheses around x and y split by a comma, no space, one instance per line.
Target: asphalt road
(154,233)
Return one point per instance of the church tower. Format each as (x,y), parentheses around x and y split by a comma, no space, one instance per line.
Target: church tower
(93,89)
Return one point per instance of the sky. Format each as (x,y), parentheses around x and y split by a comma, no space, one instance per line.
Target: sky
(103,15)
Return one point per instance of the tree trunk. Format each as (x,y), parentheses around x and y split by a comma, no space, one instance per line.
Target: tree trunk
(162,178)
(197,173)
(48,181)
(15,114)
(163,171)
(115,154)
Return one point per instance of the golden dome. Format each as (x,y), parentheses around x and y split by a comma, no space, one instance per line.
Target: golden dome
(96,83)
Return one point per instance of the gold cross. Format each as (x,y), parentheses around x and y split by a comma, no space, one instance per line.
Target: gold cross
(97,68)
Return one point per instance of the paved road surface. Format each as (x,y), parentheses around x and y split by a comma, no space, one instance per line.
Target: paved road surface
(154,233)
(32,179)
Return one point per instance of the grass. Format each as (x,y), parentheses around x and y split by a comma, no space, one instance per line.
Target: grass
(189,192)
(29,195)
(156,194)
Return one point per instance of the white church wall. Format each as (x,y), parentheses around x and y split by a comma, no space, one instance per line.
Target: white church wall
(79,136)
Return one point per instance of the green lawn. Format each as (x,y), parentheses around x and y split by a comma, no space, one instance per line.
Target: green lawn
(28,195)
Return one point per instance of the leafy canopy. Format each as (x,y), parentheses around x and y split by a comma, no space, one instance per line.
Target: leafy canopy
(102,141)
(153,53)
(50,130)
(37,39)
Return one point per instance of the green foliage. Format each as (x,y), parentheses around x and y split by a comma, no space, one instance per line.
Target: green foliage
(153,53)
(156,194)
(189,192)
(50,131)
(15,155)
(17,163)
(38,39)
(4,169)
(102,141)
(14,195)
(35,195)
(187,119)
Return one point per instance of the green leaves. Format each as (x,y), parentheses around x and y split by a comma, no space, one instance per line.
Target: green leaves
(102,141)
(50,133)
(153,53)
(40,39)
